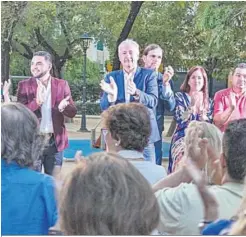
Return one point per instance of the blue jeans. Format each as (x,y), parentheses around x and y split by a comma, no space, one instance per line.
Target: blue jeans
(149,152)
(158,152)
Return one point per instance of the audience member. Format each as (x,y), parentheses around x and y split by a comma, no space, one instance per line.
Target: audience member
(179,200)
(192,103)
(214,138)
(230,103)
(106,195)
(28,199)
(127,131)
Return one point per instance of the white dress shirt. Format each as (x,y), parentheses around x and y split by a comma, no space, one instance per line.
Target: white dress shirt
(127,78)
(46,125)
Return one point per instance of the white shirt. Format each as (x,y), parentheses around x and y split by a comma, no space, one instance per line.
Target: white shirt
(127,78)
(46,125)
(182,209)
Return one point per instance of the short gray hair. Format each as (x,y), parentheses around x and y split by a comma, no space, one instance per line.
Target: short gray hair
(129,41)
(21,141)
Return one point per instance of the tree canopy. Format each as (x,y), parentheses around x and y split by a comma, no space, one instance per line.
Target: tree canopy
(212,34)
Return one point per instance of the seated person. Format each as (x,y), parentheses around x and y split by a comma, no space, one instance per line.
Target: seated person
(127,131)
(178,198)
(28,197)
(106,195)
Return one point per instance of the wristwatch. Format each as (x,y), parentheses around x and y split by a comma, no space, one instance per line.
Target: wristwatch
(204,223)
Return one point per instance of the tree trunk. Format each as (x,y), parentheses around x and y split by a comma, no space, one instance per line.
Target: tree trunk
(210,65)
(11,13)
(135,7)
(5,60)
(56,71)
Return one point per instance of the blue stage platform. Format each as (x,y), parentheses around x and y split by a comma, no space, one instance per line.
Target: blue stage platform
(85,146)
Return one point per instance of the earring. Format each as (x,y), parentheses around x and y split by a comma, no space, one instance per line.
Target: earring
(116,144)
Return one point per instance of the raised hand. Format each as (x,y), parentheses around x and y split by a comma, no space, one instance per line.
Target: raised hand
(63,104)
(5,89)
(41,94)
(216,167)
(131,89)
(197,102)
(232,101)
(78,156)
(168,74)
(196,149)
(110,88)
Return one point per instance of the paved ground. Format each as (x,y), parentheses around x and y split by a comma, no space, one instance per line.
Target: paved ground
(92,122)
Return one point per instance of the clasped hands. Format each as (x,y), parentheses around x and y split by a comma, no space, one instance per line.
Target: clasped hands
(112,89)
(197,105)
(41,97)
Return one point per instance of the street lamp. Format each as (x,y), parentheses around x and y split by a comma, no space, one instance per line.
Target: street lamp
(86,40)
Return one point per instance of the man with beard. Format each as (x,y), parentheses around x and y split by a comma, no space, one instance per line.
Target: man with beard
(133,84)
(230,104)
(152,57)
(50,99)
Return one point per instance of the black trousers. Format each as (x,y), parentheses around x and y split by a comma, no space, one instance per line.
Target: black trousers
(48,158)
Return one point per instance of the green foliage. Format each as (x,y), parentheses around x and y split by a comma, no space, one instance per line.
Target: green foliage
(74,74)
(91,108)
(190,33)
(19,66)
(74,70)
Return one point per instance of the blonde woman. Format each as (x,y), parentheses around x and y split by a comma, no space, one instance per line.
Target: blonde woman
(214,138)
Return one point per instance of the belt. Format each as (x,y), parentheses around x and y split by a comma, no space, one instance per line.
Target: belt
(48,135)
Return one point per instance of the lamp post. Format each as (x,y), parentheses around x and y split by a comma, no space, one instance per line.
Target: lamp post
(85,45)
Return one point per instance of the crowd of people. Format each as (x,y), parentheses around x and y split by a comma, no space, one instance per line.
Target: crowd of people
(126,190)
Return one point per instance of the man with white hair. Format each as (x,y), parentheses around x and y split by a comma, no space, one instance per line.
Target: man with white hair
(133,84)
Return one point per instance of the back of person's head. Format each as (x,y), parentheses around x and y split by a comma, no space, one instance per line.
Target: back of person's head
(106,195)
(128,124)
(234,149)
(20,137)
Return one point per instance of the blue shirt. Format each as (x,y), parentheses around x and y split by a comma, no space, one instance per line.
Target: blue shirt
(219,227)
(28,201)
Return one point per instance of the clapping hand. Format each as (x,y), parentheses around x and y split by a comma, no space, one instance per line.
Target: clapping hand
(63,104)
(131,87)
(6,87)
(232,101)
(196,147)
(110,88)
(168,74)
(197,102)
